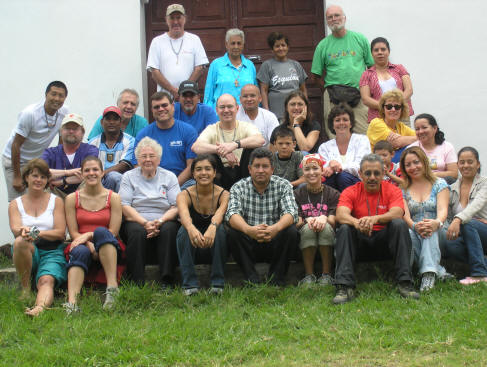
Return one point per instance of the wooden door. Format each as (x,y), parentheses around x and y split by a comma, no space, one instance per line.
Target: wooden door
(301,20)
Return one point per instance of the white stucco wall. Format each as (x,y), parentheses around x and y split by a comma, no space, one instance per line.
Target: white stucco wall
(443,44)
(96,47)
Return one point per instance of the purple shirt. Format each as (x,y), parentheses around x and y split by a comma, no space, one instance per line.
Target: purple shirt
(57,159)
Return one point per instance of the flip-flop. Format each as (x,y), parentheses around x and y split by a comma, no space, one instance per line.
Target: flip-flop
(472,280)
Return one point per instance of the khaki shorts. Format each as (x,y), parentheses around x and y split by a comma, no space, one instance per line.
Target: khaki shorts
(310,238)
(8,172)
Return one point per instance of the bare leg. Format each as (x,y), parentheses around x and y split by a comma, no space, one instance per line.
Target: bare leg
(309,254)
(23,251)
(76,277)
(45,295)
(108,259)
(326,254)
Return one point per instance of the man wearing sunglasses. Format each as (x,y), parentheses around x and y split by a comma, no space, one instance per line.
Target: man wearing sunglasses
(371,226)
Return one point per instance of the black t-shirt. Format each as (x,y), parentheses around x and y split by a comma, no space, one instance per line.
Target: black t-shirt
(314,205)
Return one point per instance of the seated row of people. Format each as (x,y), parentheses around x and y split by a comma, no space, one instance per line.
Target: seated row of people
(263,216)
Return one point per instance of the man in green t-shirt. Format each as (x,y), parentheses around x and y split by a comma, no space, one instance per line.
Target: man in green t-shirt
(340,59)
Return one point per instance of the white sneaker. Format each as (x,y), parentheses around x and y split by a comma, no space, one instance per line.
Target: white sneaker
(324,280)
(110,294)
(71,308)
(427,282)
(216,290)
(190,291)
(307,281)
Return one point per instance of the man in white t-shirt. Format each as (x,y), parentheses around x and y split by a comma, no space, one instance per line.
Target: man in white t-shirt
(176,55)
(230,140)
(266,121)
(37,126)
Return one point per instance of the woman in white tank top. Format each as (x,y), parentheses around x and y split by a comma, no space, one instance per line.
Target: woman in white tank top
(40,252)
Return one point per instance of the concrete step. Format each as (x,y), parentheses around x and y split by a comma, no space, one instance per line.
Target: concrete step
(365,271)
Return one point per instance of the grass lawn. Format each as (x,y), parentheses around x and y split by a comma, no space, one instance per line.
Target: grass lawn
(262,326)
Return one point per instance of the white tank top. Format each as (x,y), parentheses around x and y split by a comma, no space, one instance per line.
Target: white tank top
(387,85)
(45,221)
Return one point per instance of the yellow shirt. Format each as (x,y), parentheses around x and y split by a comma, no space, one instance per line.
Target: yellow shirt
(378,130)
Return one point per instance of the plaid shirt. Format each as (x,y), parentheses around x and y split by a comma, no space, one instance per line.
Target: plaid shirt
(268,208)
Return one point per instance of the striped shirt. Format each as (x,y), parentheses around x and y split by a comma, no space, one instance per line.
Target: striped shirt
(256,208)
(123,150)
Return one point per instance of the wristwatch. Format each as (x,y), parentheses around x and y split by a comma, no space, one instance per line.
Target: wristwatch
(238,144)
(65,184)
(213,223)
(441,223)
(296,125)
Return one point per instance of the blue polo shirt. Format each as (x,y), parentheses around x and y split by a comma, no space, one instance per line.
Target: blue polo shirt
(123,150)
(202,117)
(176,144)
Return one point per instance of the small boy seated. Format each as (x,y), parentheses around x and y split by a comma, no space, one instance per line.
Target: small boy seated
(286,160)
(392,170)
(316,210)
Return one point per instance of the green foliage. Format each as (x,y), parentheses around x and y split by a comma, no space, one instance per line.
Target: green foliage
(257,326)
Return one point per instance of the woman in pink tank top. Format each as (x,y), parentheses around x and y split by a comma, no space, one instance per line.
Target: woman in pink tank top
(94,215)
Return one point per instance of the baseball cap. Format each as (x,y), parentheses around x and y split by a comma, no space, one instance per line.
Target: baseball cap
(113,109)
(174,8)
(72,117)
(188,86)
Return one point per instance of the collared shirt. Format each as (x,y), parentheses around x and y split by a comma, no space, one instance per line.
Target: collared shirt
(369,77)
(223,78)
(202,117)
(268,207)
(122,150)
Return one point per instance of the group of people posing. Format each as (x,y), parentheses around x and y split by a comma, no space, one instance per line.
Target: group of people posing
(228,176)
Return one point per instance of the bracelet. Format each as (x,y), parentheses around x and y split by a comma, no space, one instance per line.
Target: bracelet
(239,145)
(414,225)
(65,184)
(214,224)
(296,125)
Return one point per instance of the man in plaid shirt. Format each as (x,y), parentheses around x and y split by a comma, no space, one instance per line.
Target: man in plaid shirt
(262,213)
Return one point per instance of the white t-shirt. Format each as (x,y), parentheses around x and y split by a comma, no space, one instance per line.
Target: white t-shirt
(32,125)
(176,69)
(266,121)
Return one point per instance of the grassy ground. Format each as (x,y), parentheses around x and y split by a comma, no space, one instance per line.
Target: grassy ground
(261,326)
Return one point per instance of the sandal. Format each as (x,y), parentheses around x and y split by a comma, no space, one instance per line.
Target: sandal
(473,280)
(34,311)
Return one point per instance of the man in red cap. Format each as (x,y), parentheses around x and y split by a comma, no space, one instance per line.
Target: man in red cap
(116,148)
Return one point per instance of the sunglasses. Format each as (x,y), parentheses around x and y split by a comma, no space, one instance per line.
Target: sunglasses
(370,173)
(389,107)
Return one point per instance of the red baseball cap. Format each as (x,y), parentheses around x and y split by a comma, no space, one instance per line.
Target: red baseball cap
(113,109)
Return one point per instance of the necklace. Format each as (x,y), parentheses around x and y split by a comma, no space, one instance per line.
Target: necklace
(205,216)
(376,207)
(51,124)
(234,133)
(239,68)
(315,192)
(180,47)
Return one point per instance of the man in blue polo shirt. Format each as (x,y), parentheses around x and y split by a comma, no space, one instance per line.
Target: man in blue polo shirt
(190,110)
(127,102)
(116,148)
(175,137)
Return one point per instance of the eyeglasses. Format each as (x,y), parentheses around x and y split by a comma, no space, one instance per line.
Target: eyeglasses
(369,173)
(159,106)
(389,107)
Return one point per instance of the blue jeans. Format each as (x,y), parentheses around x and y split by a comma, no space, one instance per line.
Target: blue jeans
(397,156)
(340,181)
(187,254)
(469,247)
(111,181)
(427,253)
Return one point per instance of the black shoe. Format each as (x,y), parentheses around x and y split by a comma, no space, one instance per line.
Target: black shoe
(343,295)
(406,290)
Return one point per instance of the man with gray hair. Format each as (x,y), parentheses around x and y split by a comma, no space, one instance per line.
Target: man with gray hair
(341,57)
(175,55)
(128,102)
(371,225)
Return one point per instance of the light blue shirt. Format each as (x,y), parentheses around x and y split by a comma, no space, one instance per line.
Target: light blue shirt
(223,78)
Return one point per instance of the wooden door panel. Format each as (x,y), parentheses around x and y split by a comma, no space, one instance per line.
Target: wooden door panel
(300,20)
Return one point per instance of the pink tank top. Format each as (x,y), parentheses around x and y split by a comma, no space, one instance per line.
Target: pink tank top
(89,220)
